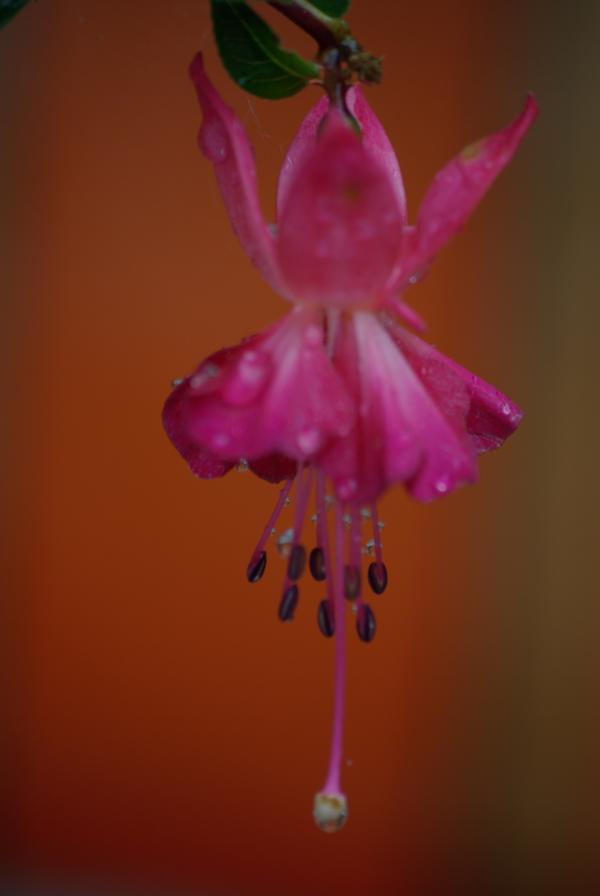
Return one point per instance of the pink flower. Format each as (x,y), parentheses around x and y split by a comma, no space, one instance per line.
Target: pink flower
(339,392)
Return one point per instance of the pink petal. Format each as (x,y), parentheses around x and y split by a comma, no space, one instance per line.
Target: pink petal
(225,143)
(341,224)
(455,192)
(491,417)
(373,136)
(404,433)
(272,400)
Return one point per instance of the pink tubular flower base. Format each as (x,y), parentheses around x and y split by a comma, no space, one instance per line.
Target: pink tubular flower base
(338,394)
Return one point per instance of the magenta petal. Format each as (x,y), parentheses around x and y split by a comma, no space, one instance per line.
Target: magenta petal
(455,192)
(491,417)
(404,432)
(201,462)
(341,224)
(225,143)
(273,399)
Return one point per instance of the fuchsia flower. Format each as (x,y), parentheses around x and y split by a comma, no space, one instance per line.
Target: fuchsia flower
(338,393)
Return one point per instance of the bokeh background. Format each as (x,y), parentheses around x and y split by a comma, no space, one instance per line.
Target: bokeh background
(162,733)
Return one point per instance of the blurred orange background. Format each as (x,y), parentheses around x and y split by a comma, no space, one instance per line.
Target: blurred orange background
(163,732)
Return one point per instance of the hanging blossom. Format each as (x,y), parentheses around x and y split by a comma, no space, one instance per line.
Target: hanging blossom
(339,398)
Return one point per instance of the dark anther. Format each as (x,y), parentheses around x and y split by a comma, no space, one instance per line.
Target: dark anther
(378,577)
(325,618)
(296,563)
(316,562)
(287,604)
(256,567)
(365,623)
(351,582)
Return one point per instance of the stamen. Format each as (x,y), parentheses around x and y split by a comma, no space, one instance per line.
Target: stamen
(352,576)
(325,618)
(365,623)
(377,572)
(256,570)
(351,581)
(296,563)
(378,577)
(323,536)
(255,559)
(288,603)
(316,562)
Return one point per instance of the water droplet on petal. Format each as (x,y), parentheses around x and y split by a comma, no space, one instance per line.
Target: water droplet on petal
(288,603)
(214,141)
(220,440)
(441,486)
(330,811)
(206,373)
(242,465)
(313,335)
(346,488)
(309,440)
(256,567)
(506,409)
(176,382)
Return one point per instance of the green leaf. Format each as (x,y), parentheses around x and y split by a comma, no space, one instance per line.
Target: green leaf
(251,53)
(333,8)
(8,9)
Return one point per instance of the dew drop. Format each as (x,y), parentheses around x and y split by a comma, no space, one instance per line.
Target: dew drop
(242,465)
(309,440)
(256,567)
(214,141)
(347,488)
(313,335)
(441,486)
(288,603)
(176,382)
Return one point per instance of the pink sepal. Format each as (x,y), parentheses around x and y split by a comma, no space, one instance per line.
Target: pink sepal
(373,138)
(340,225)
(225,143)
(455,192)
